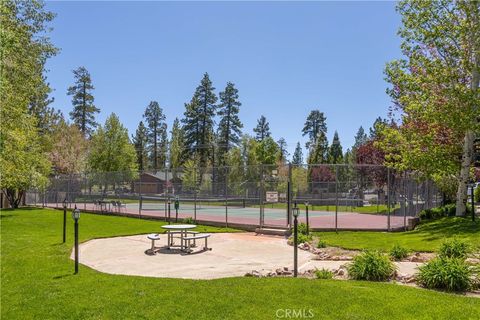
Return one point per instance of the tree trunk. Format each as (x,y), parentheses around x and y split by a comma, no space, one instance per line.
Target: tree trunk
(14,197)
(467,153)
(467,156)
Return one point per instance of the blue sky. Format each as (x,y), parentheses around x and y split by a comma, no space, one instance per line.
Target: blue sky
(285,58)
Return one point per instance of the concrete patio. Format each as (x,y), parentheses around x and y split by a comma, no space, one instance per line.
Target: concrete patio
(232,255)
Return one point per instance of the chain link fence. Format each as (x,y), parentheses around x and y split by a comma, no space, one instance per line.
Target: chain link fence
(330,197)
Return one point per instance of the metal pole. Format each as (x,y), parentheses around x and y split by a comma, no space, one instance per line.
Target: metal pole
(168,210)
(295,246)
(64,223)
(336,199)
(195,194)
(308,224)
(473,202)
(289,195)
(262,192)
(76,246)
(388,199)
(404,201)
(226,196)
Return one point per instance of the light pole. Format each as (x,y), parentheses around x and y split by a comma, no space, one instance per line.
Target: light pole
(76,217)
(306,216)
(177,205)
(169,203)
(64,220)
(295,213)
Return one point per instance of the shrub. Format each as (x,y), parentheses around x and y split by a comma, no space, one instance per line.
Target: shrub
(398,252)
(477,194)
(188,220)
(454,248)
(302,228)
(321,244)
(371,265)
(451,274)
(323,274)
(302,238)
(438,212)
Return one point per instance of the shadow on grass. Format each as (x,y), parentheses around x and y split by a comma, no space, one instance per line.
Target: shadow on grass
(63,276)
(448,227)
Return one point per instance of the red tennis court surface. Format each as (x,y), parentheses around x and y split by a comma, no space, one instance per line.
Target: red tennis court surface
(317,220)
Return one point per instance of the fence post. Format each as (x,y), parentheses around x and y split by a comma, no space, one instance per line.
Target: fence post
(195,194)
(262,192)
(289,195)
(405,201)
(336,199)
(388,199)
(225,172)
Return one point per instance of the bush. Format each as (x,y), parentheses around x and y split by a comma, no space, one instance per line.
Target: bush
(398,252)
(438,212)
(302,238)
(302,228)
(188,220)
(451,274)
(477,194)
(371,265)
(321,244)
(454,248)
(323,274)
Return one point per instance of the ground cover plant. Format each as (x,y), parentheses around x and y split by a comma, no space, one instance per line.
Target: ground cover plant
(371,265)
(398,252)
(38,283)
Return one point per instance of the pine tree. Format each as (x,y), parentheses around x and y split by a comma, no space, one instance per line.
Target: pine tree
(319,152)
(83,114)
(314,125)
(156,132)
(229,127)
(379,122)
(282,152)
(262,129)
(48,118)
(336,152)
(360,138)
(176,145)
(140,141)
(198,121)
(298,155)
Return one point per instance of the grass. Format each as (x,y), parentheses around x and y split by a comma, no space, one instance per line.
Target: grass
(427,237)
(37,283)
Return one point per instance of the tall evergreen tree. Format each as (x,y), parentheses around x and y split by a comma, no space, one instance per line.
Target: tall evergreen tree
(360,138)
(84,110)
(156,132)
(48,118)
(298,155)
(314,125)
(229,127)
(335,151)
(282,152)
(262,130)
(376,127)
(319,152)
(199,122)
(140,141)
(176,145)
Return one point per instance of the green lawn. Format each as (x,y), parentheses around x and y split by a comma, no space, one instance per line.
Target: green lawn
(37,283)
(426,237)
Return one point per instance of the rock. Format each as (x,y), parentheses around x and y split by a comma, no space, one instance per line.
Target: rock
(279,271)
(253,273)
(340,272)
(285,268)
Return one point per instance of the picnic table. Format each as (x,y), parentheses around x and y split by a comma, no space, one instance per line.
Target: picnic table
(180,229)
